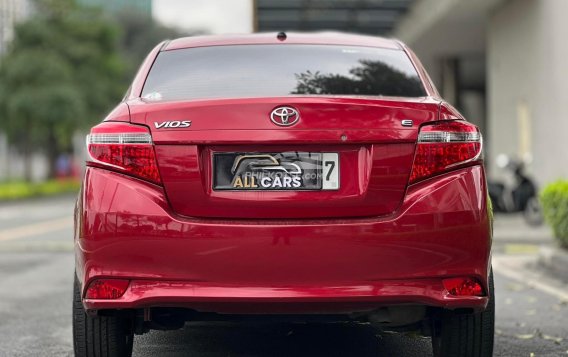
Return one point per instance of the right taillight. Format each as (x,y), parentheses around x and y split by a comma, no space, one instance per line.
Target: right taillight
(445,146)
(125,148)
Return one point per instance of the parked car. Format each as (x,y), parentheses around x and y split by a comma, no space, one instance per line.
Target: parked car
(284,176)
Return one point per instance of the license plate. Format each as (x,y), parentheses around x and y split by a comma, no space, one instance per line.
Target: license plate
(284,171)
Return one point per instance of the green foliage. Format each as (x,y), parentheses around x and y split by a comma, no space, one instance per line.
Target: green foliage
(63,72)
(20,189)
(554,199)
(65,69)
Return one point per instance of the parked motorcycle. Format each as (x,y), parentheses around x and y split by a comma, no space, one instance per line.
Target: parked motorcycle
(520,196)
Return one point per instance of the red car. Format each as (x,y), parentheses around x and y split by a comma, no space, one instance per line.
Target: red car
(284,176)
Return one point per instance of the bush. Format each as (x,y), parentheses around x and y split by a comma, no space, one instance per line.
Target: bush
(554,199)
(21,189)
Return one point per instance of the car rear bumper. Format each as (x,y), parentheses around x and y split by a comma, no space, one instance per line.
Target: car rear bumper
(125,229)
(289,300)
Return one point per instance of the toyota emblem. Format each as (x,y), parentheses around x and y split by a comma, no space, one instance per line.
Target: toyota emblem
(284,116)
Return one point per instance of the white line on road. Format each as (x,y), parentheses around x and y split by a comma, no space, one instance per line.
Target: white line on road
(36,229)
(528,278)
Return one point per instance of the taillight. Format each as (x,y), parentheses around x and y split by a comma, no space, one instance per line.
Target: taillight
(445,146)
(125,148)
(463,287)
(106,289)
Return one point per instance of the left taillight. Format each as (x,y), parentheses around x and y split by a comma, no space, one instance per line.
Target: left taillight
(445,146)
(125,148)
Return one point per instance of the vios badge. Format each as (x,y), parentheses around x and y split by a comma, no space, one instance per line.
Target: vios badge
(284,116)
(173,124)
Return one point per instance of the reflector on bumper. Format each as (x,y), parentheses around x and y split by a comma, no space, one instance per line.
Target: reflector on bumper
(106,289)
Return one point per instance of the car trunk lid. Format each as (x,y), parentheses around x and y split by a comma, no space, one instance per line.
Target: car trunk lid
(373,140)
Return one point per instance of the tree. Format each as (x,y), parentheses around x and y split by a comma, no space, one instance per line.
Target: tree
(62,72)
(368,78)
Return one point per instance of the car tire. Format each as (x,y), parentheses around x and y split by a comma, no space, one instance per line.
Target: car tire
(466,335)
(94,336)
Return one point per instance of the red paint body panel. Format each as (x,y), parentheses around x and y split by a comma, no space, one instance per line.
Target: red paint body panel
(316,113)
(441,230)
(376,153)
(367,189)
(376,241)
(448,112)
(287,300)
(138,82)
(323,38)
(120,113)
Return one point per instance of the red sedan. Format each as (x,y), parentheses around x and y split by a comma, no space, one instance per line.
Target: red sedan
(295,176)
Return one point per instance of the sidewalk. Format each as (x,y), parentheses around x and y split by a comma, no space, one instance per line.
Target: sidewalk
(512,228)
(533,247)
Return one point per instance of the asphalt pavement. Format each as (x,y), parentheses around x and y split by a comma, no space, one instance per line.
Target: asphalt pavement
(36,272)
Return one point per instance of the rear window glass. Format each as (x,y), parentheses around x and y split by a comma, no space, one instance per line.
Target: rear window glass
(238,71)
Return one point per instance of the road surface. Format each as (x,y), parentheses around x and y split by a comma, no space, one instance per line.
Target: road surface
(36,271)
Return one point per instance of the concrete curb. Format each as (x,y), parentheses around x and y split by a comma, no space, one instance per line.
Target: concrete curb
(555,261)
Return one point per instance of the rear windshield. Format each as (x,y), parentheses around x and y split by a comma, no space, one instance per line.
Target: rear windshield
(238,71)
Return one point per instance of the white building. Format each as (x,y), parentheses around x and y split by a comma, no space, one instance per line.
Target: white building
(503,63)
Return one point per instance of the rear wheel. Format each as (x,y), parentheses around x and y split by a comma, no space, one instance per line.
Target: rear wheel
(94,336)
(466,335)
